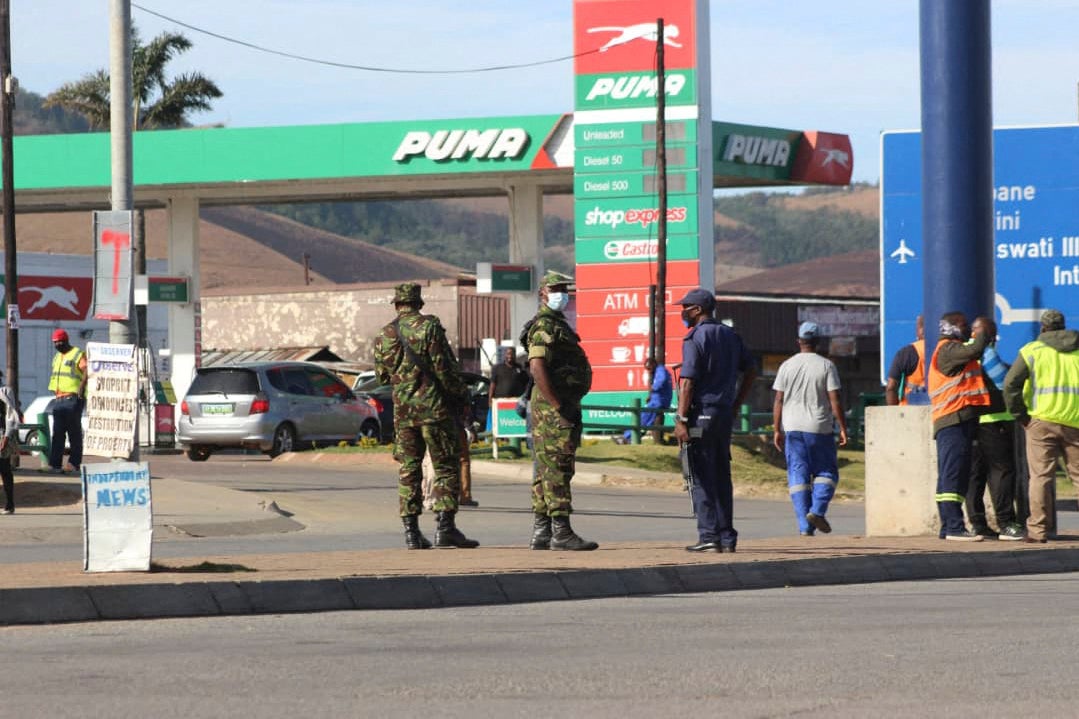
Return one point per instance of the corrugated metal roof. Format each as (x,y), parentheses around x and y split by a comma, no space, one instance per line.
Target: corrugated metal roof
(321,353)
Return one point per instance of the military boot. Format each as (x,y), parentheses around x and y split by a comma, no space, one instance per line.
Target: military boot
(541,532)
(565,538)
(448,536)
(414,538)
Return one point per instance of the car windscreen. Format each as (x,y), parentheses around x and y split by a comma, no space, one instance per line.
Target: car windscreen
(225,381)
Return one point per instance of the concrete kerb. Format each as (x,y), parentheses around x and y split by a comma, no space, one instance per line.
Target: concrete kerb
(45,605)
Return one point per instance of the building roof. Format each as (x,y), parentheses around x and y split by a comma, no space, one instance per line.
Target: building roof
(855,275)
(321,353)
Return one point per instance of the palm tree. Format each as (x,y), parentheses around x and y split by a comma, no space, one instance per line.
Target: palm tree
(158,103)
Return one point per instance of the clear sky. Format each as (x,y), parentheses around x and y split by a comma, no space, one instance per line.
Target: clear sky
(846,66)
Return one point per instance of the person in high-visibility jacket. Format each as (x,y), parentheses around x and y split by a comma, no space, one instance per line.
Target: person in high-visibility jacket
(959,395)
(906,375)
(993,463)
(67,382)
(1042,391)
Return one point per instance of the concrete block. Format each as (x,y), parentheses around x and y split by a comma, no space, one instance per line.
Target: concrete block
(46,605)
(392,593)
(532,587)
(996,564)
(651,580)
(956,565)
(593,583)
(909,567)
(900,473)
(761,575)
(231,600)
(468,590)
(315,595)
(151,601)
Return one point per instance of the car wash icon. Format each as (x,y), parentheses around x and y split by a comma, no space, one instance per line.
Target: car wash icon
(644,31)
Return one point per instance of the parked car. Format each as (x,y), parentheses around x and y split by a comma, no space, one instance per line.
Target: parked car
(382,395)
(274,407)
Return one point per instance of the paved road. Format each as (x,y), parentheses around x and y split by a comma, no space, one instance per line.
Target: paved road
(955,647)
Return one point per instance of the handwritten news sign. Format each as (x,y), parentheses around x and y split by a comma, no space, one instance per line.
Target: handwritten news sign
(112,400)
(117,517)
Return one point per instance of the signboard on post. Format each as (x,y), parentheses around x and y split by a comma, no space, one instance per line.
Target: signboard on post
(113,265)
(112,400)
(1036,243)
(118,519)
(505,421)
(502,278)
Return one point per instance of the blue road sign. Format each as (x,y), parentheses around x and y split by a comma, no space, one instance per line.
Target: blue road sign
(1036,242)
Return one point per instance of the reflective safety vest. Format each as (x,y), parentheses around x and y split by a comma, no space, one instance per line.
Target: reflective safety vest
(66,377)
(948,395)
(1052,391)
(915,381)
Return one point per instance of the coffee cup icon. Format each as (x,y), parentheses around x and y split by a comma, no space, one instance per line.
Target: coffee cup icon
(620,354)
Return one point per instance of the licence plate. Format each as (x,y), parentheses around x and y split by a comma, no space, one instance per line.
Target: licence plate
(217,408)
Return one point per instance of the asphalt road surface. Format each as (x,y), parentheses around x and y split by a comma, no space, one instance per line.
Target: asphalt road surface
(982,647)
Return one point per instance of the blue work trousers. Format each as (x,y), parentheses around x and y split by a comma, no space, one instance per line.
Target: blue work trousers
(955,445)
(711,489)
(66,428)
(812,474)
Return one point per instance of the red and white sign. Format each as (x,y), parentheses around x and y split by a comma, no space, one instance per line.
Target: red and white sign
(43,297)
(620,35)
(620,326)
(625,300)
(823,157)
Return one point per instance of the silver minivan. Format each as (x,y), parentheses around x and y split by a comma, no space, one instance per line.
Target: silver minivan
(274,407)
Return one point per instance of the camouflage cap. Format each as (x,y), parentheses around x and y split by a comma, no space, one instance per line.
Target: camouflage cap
(407,293)
(1052,320)
(550,277)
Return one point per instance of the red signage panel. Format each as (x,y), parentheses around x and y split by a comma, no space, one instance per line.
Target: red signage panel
(680,273)
(620,35)
(625,300)
(823,157)
(44,297)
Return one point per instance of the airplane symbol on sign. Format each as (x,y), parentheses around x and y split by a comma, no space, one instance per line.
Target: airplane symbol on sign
(903,252)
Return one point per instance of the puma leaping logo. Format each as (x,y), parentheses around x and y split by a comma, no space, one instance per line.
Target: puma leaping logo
(62,297)
(840,157)
(643,31)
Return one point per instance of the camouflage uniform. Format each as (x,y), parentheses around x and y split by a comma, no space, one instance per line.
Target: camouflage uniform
(426,402)
(556,434)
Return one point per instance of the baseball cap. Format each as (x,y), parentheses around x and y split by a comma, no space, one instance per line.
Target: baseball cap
(808,331)
(700,297)
(1052,320)
(59,335)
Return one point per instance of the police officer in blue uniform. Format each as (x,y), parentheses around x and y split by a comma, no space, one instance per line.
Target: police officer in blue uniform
(709,394)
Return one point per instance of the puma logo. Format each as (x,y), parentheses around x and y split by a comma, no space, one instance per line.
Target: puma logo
(643,31)
(62,297)
(840,157)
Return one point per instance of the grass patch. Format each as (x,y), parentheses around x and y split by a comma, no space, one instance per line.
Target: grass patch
(202,567)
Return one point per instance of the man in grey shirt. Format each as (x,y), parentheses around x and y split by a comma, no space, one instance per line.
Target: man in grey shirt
(805,407)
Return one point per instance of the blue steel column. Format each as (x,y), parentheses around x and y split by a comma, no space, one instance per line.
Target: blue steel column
(957,160)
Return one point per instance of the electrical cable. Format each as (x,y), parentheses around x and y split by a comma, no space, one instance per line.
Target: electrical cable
(365,68)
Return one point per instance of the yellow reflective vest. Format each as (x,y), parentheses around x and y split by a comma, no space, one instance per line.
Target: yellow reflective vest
(66,377)
(1052,390)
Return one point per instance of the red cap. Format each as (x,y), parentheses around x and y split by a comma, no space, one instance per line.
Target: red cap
(59,336)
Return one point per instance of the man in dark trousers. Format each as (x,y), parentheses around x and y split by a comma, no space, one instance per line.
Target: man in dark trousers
(709,394)
(413,354)
(67,382)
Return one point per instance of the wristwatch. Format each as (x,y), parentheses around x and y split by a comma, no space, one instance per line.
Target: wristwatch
(681,418)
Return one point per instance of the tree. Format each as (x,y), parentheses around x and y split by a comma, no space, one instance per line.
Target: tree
(157,102)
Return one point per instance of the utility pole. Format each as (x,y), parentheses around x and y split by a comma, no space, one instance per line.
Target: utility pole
(659,348)
(7,130)
(121,113)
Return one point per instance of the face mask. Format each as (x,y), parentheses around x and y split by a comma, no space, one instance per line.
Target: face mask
(558,301)
(686,320)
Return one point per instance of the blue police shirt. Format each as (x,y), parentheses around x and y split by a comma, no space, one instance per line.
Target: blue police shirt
(712,356)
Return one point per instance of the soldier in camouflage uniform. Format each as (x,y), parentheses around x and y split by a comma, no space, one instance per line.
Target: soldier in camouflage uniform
(413,355)
(562,377)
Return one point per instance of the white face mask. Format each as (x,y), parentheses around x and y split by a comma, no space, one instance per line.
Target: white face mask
(558,301)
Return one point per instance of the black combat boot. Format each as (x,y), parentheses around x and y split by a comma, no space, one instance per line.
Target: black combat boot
(448,536)
(565,538)
(541,532)
(414,538)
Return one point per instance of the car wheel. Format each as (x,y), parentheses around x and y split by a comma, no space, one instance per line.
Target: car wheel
(198,453)
(369,430)
(284,440)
